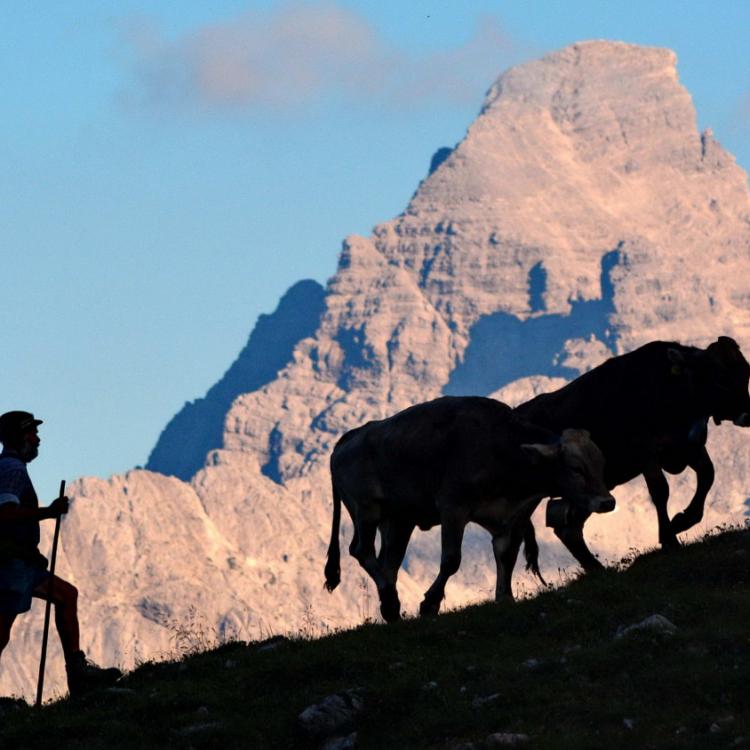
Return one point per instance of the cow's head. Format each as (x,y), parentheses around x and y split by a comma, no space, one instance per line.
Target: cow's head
(576,468)
(721,375)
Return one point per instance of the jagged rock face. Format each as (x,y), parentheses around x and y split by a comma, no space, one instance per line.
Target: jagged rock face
(590,150)
(582,215)
(585,166)
(380,347)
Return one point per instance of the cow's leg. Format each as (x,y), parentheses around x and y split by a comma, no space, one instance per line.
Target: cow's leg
(572,537)
(506,541)
(354,546)
(394,537)
(505,546)
(452,535)
(658,488)
(703,467)
(364,551)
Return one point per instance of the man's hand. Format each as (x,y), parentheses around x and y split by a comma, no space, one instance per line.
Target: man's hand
(58,507)
(13,512)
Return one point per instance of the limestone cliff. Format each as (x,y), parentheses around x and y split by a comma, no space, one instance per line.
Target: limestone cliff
(582,215)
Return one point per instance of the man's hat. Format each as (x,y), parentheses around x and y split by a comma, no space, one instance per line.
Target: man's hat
(14,423)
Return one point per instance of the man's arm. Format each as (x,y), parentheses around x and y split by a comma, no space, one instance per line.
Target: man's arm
(10,511)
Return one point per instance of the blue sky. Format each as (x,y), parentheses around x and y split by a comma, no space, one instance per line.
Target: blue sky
(171,168)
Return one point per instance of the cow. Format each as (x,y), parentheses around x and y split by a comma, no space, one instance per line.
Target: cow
(648,412)
(448,462)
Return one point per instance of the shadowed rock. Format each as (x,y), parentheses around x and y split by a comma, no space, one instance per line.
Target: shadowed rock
(504,348)
(333,715)
(198,427)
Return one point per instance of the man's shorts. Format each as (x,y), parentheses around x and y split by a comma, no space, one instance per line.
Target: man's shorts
(18,579)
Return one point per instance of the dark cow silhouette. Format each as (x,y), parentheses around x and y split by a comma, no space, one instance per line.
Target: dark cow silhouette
(648,412)
(448,462)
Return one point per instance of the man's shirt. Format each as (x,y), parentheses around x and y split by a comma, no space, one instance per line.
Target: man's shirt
(16,488)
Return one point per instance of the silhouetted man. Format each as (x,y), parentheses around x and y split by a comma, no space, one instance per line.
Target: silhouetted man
(23,569)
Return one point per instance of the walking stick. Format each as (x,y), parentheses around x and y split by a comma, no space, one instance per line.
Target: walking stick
(53,557)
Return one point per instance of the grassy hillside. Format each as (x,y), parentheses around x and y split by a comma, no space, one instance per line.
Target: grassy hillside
(550,668)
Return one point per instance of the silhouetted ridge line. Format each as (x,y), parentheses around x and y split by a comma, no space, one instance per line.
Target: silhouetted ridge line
(198,427)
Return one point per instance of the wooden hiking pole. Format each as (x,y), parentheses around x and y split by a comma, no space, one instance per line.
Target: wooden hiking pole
(48,609)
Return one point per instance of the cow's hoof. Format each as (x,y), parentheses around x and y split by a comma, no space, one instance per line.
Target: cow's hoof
(670,543)
(390,616)
(682,522)
(429,609)
(391,612)
(593,566)
(390,606)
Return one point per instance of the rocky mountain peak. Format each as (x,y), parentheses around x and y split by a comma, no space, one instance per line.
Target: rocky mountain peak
(590,149)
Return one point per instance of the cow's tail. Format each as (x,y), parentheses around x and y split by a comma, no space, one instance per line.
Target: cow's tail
(531,551)
(333,566)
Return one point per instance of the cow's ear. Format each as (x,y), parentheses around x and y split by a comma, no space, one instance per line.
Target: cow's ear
(725,349)
(538,452)
(728,341)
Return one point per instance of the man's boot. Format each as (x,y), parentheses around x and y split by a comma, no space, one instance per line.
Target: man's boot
(84,675)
